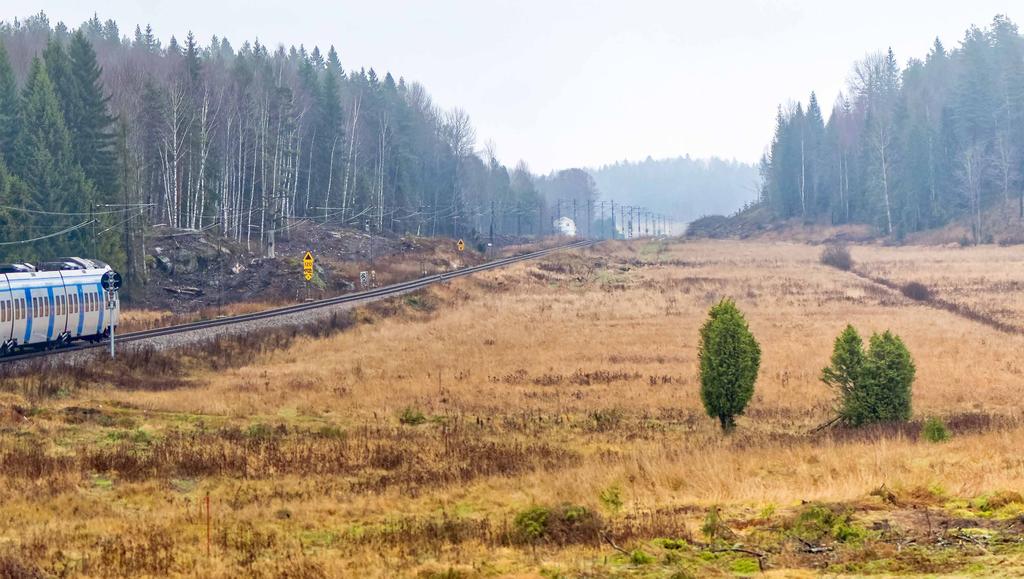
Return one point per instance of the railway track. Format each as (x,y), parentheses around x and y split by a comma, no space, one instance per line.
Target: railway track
(377,293)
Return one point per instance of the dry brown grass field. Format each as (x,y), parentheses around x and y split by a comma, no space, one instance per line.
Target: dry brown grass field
(540,420)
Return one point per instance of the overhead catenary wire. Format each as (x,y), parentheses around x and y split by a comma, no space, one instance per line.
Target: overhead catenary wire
(55,234)
(67,213)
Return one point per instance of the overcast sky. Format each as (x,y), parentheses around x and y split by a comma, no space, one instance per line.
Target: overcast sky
(563,83)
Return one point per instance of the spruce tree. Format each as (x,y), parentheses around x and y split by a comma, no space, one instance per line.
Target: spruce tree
(729,361)
(92,129)
(58,69)
(15,225)
(8,107)
(43,159)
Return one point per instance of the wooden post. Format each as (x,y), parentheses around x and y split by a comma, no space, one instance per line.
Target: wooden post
(207,524)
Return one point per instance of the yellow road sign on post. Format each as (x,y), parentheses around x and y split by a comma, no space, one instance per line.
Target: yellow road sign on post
(307,266)
(461,245)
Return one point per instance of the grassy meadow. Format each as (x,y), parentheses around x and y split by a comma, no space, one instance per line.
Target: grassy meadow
(541,420)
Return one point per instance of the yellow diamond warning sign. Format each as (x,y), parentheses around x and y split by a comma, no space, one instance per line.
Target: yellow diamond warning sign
(307,266)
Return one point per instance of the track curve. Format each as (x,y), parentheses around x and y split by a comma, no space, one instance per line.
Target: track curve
(373,294)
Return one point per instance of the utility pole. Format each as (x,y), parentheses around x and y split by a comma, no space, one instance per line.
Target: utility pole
(369,237)
(590,216)
(613,218)
(602,220)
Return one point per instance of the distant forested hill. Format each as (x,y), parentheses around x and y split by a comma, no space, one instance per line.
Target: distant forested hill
(682,187)
(910,146)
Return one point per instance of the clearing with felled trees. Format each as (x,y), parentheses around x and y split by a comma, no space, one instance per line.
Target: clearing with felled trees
(543,419)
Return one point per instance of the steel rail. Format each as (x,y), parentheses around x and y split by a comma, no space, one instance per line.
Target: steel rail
(376,293)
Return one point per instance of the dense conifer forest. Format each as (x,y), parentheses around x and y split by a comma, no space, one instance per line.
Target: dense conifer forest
(104,132)
(909,147)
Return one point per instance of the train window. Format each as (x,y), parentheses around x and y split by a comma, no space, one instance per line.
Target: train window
(3,311)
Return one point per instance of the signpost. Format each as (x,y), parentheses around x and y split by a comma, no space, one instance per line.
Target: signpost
(307,266)
(111,282)
(364,279)
(461,245)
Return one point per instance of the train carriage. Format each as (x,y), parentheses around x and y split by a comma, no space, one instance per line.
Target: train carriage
(54,304)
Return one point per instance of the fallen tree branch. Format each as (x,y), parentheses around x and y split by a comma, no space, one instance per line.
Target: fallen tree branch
(825,425)
(757,554)
(609,540)
(811,547)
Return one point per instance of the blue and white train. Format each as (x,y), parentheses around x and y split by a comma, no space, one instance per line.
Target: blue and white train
(54,303)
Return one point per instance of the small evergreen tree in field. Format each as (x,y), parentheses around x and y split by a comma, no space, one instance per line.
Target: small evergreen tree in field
(874,386)
(729,360)
(844,372)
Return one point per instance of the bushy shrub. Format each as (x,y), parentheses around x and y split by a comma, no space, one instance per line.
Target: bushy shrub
(873,386)
(412,417)
(562,525)
(935,431)
(837,256)
(611,498)
(639,557)
(729,360)
(917,291)
(714,528)
(818,523)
